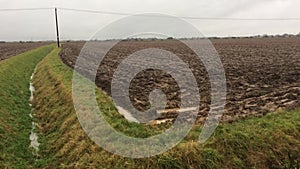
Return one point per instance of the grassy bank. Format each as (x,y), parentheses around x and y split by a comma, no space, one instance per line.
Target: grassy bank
(15,123)
(272,141)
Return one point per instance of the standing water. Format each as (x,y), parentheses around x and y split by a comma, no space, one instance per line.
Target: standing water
(33,136)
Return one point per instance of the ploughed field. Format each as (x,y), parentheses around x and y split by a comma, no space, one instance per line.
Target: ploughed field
(262,75)
(9,49)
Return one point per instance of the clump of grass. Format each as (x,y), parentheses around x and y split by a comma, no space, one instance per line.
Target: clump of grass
(15,123)
(267,142)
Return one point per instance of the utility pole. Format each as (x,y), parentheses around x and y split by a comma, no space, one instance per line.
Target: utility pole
(57,31)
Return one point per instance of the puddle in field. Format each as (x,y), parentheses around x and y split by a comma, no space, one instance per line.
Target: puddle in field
(33,136)
(127,115)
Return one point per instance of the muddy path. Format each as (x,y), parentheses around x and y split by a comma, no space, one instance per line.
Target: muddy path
(263,75)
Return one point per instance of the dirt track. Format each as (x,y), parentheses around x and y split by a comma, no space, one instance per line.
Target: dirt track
(263,75)
(11,49)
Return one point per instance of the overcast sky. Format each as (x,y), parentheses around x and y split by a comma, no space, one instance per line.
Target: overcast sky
(39,25)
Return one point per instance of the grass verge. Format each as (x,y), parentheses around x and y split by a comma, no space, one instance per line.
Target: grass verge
(272,141)
(15,123)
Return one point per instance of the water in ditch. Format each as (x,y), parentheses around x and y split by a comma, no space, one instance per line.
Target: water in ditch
(33,136)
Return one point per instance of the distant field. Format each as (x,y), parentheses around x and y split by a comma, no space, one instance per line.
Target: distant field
(263,74)
(9,49)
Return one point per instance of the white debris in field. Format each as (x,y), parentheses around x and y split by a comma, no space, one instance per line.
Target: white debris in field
(162,121)
(181,110)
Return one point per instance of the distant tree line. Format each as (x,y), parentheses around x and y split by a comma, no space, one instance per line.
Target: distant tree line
(286,35)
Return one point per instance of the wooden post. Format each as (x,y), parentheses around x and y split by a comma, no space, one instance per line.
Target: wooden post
(57,31)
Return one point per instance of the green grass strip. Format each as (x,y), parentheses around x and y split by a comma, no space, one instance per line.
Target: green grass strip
(15,123)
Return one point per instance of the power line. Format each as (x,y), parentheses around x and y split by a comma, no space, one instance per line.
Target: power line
(128,14)
(94,11)
(24,9)
(183,17)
